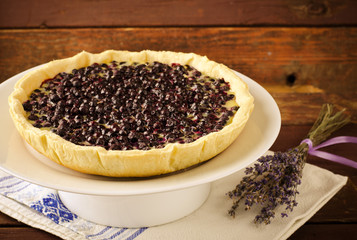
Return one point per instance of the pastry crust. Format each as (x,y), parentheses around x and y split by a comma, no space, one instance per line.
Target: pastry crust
(129,163)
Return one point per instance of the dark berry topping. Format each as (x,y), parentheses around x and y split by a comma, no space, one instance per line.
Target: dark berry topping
(122,106)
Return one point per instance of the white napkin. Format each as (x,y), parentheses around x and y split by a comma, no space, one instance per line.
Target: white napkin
(41,208)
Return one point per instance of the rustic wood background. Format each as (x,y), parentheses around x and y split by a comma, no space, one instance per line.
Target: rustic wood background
(304,52)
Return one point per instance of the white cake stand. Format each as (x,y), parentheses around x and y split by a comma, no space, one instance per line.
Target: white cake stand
(138,202)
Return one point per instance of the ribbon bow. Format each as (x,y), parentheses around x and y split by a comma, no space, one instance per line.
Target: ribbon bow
(329,156)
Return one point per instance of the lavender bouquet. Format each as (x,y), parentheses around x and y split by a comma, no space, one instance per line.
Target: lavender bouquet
(274,179)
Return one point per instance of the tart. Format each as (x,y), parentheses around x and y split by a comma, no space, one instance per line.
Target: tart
(130,114)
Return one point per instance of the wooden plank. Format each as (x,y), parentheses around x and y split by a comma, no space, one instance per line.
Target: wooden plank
(326,232)
(22,233)
(269,55)
(6,221)
(82,13)
(301,67)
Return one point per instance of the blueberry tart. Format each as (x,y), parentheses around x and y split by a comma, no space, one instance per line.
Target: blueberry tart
(130,114)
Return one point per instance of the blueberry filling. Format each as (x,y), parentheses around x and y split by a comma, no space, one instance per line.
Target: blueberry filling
(124,106)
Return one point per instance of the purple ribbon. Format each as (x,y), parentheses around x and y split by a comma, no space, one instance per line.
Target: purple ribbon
(329,156)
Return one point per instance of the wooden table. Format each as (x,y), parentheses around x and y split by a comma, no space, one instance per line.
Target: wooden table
(303,52)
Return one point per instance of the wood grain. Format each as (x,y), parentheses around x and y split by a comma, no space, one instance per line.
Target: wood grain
(304,52)
(25,233)
(6,221)
(83,13)
(322,62)
(325,232)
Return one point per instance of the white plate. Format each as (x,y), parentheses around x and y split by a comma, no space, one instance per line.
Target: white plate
(256,138)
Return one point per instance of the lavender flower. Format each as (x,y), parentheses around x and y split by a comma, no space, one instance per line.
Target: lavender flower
(274,179)
(271,182)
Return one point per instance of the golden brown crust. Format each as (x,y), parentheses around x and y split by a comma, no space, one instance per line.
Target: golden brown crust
(130,163)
